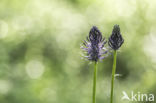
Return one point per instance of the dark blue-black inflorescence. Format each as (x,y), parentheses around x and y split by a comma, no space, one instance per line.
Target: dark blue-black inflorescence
(115,40)
(94,45)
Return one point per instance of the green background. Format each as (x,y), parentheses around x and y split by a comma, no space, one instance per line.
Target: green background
(40,55)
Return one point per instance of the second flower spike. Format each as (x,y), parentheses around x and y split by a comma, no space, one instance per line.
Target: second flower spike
(115,40)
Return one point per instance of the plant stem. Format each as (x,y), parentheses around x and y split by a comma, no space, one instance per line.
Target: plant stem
(113,75)
(94,83)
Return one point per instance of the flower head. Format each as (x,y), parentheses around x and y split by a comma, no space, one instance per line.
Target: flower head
(115,40)
(94,45)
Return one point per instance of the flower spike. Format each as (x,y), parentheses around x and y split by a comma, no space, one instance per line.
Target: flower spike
(94,45)
(115,40)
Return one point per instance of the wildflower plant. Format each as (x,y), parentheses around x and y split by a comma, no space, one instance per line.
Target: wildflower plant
(115,42)
(94,48)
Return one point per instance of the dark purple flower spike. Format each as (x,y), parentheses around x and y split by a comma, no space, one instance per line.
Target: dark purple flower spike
(94,45)
(115,40)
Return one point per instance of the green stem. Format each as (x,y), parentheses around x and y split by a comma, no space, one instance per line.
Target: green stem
(94,83)
(113,75)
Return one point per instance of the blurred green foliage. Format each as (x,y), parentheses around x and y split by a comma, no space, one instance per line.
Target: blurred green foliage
(40,51)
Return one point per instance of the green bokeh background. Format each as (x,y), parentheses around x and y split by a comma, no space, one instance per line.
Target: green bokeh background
(40,55)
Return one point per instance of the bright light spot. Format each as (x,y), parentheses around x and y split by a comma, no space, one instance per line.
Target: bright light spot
(34,69)
(149,46)
(125,8)
(22,23)
(4,86)
(49,94)
(3,29)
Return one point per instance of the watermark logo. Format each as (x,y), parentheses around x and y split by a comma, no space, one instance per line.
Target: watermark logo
(137,96)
